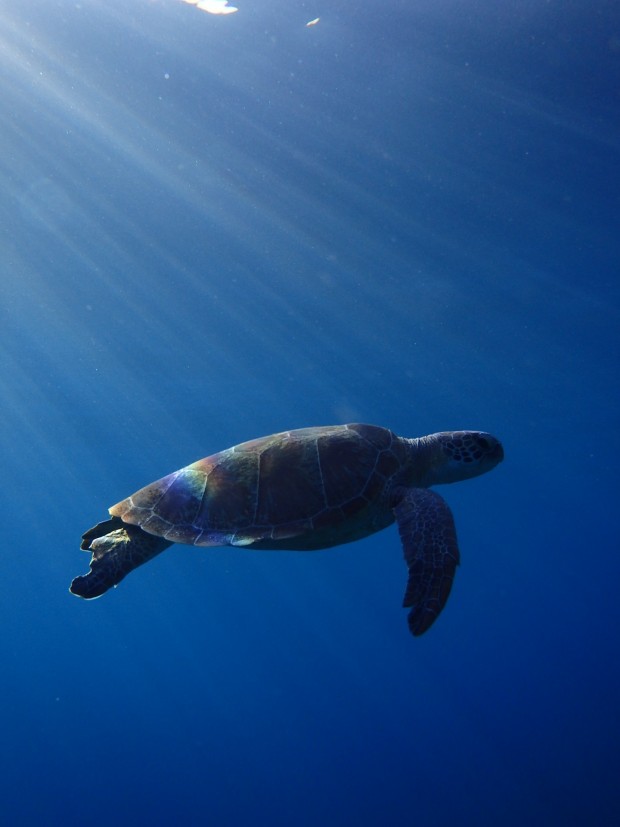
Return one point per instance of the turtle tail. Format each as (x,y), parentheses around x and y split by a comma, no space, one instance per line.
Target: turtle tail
(117,549)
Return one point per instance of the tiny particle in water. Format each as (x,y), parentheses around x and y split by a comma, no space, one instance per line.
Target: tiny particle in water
(167,76)
(312,22)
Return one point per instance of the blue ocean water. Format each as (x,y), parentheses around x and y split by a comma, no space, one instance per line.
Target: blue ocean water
(214,228)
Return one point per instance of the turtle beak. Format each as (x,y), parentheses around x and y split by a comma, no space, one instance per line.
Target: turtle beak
(491,449)
(495,451)
(498,451)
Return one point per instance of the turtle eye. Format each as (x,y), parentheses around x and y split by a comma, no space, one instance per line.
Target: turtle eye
(483,442)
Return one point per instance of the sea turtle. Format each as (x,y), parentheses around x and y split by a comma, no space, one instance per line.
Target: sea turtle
(302,490)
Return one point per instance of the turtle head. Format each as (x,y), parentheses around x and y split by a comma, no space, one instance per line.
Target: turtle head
(451,456)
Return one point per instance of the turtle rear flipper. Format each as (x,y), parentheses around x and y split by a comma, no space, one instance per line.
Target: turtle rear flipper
(117,549)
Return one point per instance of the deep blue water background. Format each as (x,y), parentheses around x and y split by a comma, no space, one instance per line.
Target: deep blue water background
(216,228)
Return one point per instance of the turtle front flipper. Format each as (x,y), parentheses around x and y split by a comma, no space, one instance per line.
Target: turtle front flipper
(117,549)
(428,536)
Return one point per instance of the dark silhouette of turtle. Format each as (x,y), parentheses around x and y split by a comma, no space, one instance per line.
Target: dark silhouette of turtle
(303,490)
